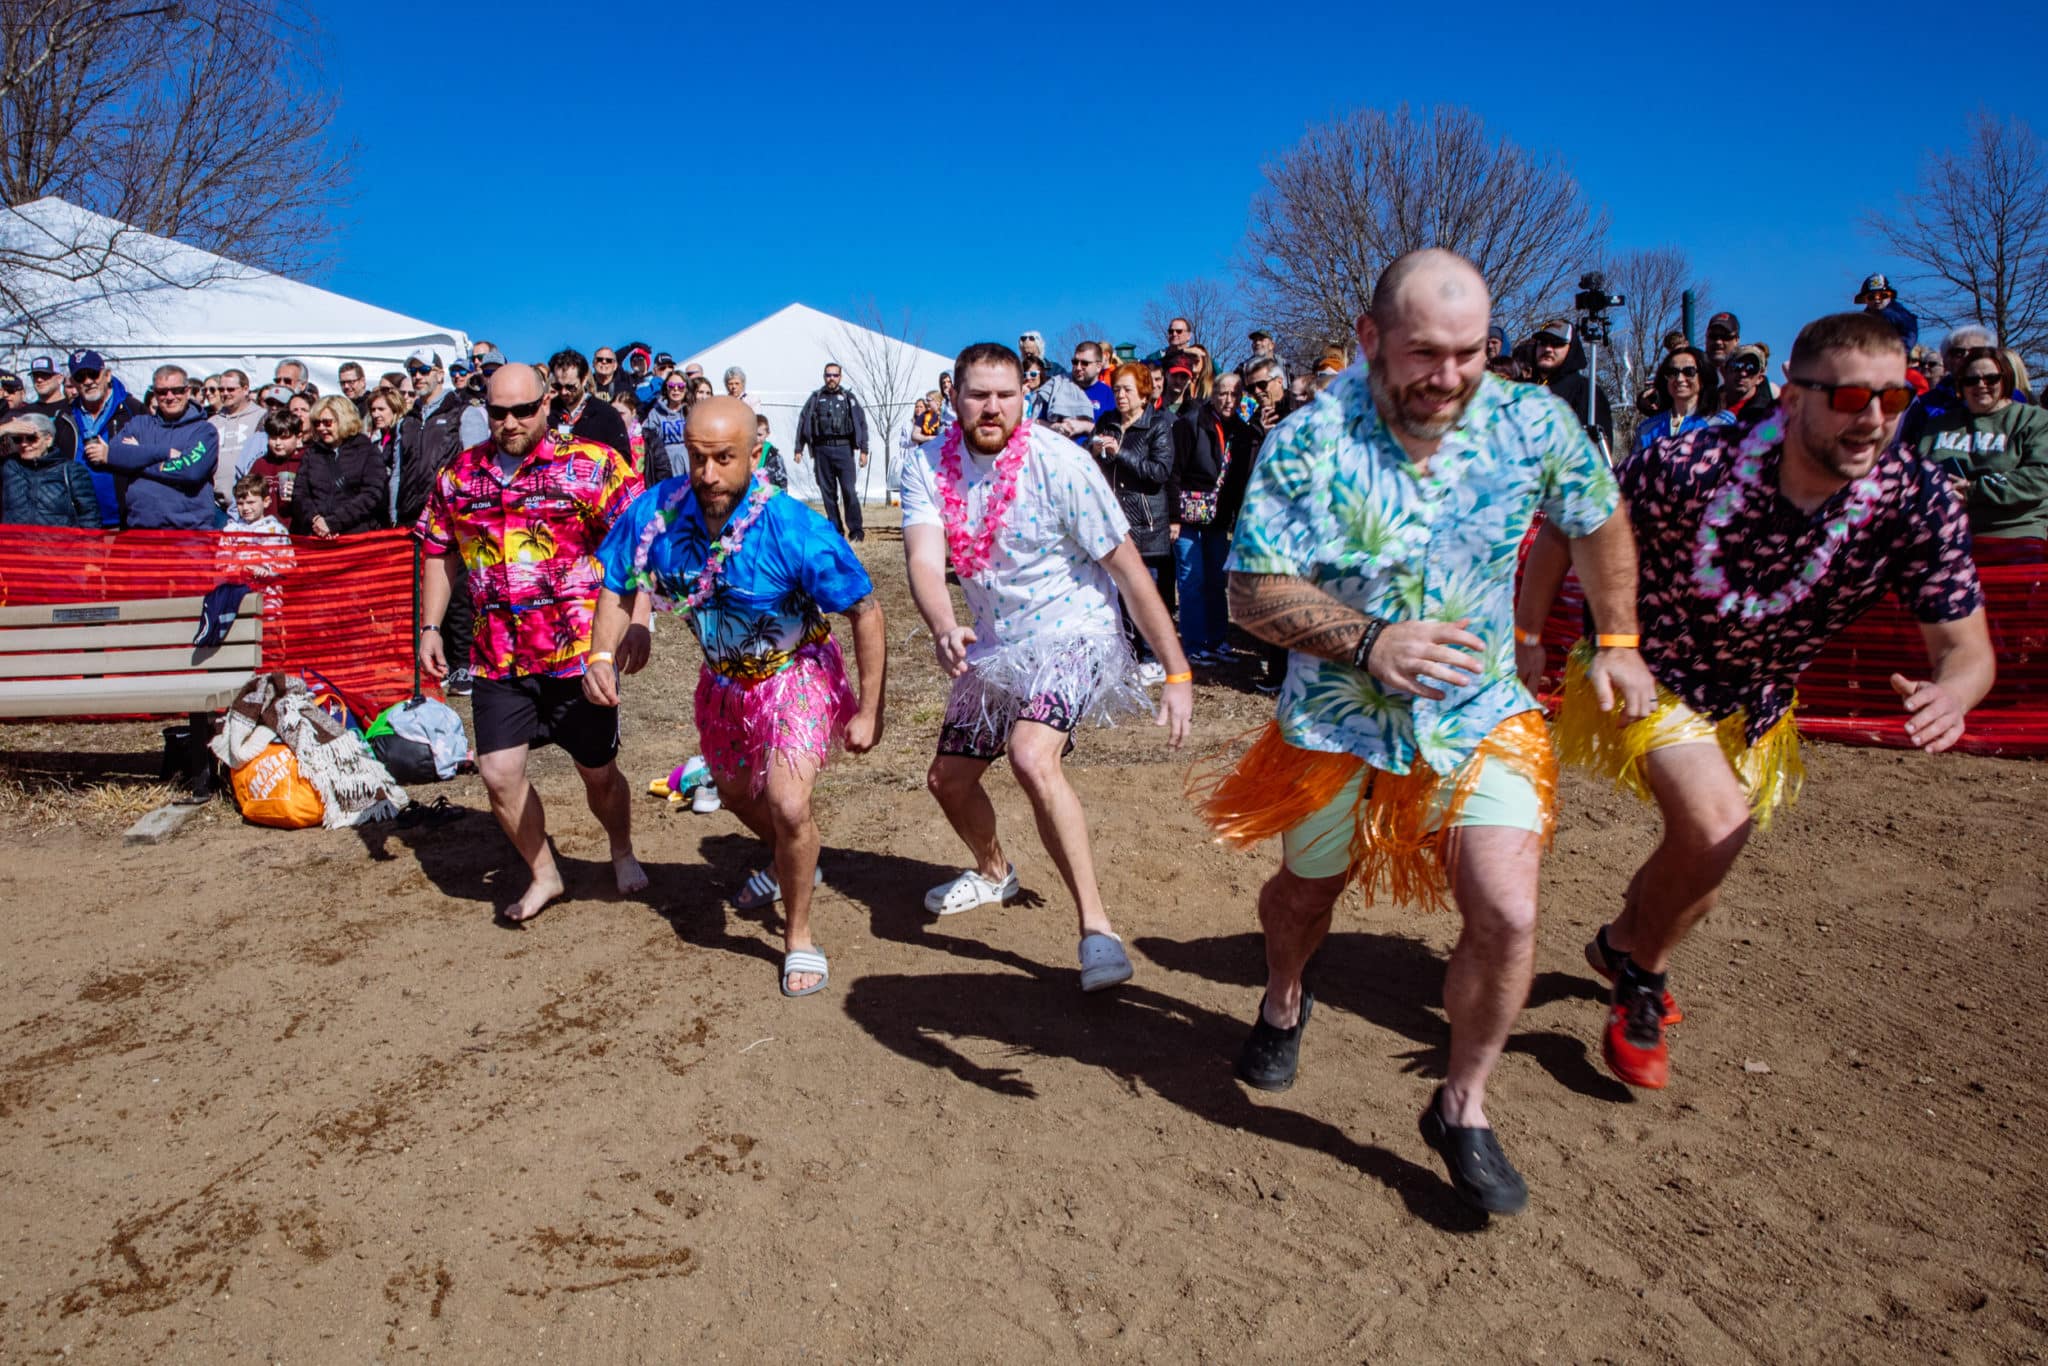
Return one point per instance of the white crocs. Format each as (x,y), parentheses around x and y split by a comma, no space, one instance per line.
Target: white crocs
(1103,961)
(970,890)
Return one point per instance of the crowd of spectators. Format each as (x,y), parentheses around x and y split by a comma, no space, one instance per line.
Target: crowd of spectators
(1175,432)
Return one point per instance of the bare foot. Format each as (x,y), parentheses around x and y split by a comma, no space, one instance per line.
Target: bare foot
(800,981)
(545,888)
(631,876)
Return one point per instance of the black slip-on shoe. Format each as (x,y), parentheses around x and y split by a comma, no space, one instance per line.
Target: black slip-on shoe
(1270,1056)
(1480,1172)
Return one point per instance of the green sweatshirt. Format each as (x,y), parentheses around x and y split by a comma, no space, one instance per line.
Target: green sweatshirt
(2004,455)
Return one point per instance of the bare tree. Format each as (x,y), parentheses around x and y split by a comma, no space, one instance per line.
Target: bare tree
(1358,192)
(881,369)
(1654,282)
(1976,231)
(206,121)
(1073,334)
(1211,308)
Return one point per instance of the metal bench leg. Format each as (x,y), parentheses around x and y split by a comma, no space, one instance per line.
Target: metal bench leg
(198,758)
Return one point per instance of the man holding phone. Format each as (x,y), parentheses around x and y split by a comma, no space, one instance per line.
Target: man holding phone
(1757,547)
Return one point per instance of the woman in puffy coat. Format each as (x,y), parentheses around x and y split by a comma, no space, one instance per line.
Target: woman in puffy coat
(343,480)
(1134,447)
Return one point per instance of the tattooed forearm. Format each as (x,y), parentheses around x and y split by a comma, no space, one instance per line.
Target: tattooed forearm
(1295,613)
(866,604)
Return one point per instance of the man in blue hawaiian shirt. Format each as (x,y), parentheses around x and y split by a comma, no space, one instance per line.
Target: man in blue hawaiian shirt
(758,572)
(1378,543)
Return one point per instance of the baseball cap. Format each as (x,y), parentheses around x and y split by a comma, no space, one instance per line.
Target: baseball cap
(1259,334)
(459,367)
(1874,284)
(1724,322)
(1752,352)
(276,393)
(9,380)
(488,360)
(1559,328)
(42,365)
(87,360)
(424,356)
(664,358)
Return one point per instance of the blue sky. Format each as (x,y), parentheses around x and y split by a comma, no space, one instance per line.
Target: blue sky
(548,174)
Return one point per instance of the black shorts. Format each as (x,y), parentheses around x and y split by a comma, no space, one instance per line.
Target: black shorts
(535,710)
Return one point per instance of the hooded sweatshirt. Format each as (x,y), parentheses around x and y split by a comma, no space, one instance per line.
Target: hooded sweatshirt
(2004,456)
(1570,383)
(163,471)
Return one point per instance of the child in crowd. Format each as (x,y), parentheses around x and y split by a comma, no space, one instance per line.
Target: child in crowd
(253,511)
(278,466)
(771,459)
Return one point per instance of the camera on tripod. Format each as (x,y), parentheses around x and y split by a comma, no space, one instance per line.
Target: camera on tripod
(1593,302)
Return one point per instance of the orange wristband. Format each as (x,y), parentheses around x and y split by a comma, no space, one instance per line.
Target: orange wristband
(1528,637)
(1180,678)
(1617,642)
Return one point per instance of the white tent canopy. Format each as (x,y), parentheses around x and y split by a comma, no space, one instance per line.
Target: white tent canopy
(78,280)
(784,356)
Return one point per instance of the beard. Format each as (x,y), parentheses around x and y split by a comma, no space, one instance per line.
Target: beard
(1415,411)
(1846,455)
(989,439)
(521,440)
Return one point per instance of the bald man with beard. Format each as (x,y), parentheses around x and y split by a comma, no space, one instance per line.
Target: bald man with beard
(523,514)
(1378,544)
(758,572)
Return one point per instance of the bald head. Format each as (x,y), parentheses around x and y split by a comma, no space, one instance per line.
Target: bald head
(1432,284)
(723,442)
(720,420)
(513,384)
(516,405)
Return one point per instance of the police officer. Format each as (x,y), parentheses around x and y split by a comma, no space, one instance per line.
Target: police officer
(833,427)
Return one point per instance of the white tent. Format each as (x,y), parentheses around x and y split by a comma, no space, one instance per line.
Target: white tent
(76,280)
(784,356)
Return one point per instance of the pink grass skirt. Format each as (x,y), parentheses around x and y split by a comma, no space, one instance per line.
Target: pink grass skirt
(801,712)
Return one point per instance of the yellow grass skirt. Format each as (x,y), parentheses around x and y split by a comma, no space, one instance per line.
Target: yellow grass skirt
(1770,771)
(1401,841)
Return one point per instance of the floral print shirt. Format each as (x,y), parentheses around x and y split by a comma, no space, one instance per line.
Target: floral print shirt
(1335,500)
(529,541)
(772,593)
(1739,589)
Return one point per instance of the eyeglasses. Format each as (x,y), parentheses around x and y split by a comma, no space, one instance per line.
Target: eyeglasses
(831,374)
(1985,379)
(1892,399)
(1681,372)
(1176,331)
(498,412)
(574,388)
(605,360)
(1745,367)
(417,370)
(86,376)
(1032,374)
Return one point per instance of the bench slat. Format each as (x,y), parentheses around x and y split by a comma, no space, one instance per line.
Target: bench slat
(141,694)
(168,660)
(23,639)
(84,613)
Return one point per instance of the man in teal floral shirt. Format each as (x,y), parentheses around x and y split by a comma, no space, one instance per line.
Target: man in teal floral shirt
(1378,543)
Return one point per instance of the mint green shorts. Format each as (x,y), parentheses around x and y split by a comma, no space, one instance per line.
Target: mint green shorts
(1321,845)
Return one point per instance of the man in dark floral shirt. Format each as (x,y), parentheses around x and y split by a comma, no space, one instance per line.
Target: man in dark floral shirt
(1758,546)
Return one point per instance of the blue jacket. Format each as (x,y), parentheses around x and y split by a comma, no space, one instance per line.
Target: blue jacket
(163,471)
(1904,321)
(117,412)
(1656,428)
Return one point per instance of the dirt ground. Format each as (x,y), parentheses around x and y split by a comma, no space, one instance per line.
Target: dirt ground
(273,1096)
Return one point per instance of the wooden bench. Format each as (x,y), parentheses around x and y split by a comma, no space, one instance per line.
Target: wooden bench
(127,658)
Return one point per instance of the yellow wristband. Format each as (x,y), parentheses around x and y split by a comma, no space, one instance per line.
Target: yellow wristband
(1180,678)
(601,657)
(1528,637)
(1617,642)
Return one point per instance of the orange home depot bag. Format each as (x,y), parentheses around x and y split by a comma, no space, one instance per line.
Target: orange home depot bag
(271,791)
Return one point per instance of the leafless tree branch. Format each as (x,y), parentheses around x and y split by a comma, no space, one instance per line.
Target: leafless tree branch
(881,369)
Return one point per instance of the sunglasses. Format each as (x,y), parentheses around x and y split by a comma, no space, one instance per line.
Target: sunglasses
(605,360)
(1744,367)
(1892,399)
(498,412)
(417,370)
(1681,372)
(575,388)
(85,376)
(1984,379)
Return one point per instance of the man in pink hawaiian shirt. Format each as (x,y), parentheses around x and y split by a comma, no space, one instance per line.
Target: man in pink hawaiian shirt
(525,514)
(1758,545)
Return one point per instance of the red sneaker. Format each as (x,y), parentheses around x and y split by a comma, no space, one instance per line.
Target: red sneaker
(1634,1045)
(1607,962)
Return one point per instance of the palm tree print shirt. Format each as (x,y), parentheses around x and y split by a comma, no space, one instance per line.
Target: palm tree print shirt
(1335,500)
(529,541)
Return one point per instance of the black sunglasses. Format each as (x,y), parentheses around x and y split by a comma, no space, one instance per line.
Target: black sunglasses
(418,370)
(1745,367)
(1681,371)
(498,412)
(1989,379)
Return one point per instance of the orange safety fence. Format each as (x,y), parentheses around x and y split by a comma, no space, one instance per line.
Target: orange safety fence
(1846,694)
(342,608)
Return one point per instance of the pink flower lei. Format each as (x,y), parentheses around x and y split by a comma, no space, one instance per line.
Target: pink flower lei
(973,549)
(727,543)
(1712,580)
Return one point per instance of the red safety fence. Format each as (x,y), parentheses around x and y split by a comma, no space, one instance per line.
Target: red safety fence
(342,608)
(1846,694)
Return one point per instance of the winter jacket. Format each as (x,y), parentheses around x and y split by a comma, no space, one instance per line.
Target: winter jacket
(1208,449)
(344,484)
(116,413)
(830,419)
(1904,321)
(598,421)
(51,490)
(163,471)
(1140,473)
(427,441)
(1570,384)
(661,459)
(1656,428)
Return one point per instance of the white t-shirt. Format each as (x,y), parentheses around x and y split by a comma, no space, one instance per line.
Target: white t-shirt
(1045,576)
